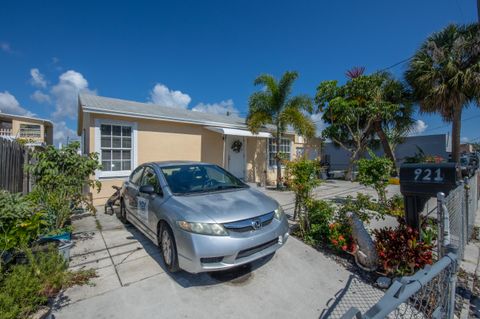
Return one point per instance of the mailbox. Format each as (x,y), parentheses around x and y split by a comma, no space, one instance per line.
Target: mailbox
(419,182)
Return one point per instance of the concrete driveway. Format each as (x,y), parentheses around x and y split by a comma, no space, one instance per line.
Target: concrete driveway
(296,282)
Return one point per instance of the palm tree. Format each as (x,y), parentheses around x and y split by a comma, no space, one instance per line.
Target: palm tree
(273,105)
(445,75)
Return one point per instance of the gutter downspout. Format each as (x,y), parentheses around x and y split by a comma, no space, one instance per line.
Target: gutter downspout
(223,154)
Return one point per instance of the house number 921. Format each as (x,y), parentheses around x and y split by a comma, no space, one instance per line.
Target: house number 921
(427,175)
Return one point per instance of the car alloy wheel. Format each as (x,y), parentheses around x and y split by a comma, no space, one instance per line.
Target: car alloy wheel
(167,247)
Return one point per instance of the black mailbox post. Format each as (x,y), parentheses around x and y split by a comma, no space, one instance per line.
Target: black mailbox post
(419,182)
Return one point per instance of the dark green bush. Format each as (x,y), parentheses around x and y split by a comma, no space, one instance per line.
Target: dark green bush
(320,213)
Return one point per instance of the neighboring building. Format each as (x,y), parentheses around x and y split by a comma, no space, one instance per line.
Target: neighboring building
(466,148)
(126,134)
(438,145)
(33,129)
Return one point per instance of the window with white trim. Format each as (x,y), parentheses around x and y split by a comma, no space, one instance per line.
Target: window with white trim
(116,147)
(285,150)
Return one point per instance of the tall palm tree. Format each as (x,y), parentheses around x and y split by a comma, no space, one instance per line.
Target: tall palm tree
(273,105)
(445,75)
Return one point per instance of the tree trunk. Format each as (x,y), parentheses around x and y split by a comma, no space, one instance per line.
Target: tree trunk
(277,160)
(456,129)
(386,146)
(349,173)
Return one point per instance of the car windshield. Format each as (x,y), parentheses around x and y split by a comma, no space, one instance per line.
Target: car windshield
(198,178)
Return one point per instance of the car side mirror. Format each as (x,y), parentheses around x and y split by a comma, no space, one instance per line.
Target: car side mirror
(147,189)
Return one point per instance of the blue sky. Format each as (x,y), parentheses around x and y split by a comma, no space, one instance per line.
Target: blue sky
(204,54)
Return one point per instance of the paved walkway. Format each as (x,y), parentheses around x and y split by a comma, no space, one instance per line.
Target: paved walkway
(297,282)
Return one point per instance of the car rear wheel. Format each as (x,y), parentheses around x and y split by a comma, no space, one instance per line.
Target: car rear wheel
(168,248)
(123,212)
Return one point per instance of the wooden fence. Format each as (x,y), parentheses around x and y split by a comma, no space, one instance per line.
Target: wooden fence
(13,156)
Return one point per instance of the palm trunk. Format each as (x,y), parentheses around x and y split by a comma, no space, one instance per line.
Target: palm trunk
(277,159)
(456,129)
(386,146)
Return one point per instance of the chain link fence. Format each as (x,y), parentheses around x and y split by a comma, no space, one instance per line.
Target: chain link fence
(429,293)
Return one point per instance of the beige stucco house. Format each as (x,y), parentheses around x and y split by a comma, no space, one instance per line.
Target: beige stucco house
(35,130)
(126,134)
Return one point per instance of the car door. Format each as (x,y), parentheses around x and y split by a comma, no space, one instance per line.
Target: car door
(148,204)
(131,190)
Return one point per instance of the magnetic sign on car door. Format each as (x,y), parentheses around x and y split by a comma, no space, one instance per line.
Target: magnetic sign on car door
(142,209)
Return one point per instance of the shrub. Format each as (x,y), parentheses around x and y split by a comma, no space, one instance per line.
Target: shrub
(64,172)
(395,206)
(363,206)
(320,214)
(399,250)
(340,237)
(375,172)
(303,178)
(25,288)
(19,223)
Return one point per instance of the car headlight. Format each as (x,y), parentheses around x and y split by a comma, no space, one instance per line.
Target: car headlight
(279,213)
(203,228)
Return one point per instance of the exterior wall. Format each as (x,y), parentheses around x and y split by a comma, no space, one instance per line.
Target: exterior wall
(160,141)
(430,144)
(16,130)
(466,148)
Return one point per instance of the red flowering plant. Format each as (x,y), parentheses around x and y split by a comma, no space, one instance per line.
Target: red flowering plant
(400,252)
(340,237)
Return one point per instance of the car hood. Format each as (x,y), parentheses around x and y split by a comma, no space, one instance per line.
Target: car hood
(225,206)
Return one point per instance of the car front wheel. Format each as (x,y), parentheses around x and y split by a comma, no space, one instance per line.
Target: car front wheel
(168,248)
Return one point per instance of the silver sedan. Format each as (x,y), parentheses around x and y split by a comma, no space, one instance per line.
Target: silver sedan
(202,217)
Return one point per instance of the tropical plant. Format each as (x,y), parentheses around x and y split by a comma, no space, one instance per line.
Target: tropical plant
(375,172)
(273,105)
(320,214)
(64,173)
(445,75)
(303,178)
(358,110)
(400,252)
(363,206)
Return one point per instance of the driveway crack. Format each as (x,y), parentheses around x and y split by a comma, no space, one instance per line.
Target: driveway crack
(110,255)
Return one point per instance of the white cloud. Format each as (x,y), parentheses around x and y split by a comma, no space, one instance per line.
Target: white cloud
(40,97)
(38,79)
(61,132)
(223,108)
(5,47)
(418,128)
(163,96)
(65,94)
(9,104)
(464,139)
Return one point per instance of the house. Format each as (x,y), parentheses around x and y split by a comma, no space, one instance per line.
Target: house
(32,129)
(436,145)
(126,134)
(466,148)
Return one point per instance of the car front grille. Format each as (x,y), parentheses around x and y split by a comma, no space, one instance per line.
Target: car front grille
(211,260)
(247,224)
(256,249)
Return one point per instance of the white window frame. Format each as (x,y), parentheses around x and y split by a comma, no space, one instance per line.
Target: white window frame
(134,154)
(268,150)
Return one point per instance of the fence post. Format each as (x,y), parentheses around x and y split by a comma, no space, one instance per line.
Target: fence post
(467,195)
(452,281)
(440,222)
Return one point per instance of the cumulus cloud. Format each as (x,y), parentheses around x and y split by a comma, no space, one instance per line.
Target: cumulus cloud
(9,104)
(37,79)
(163,96)
(464,139)
(40,97)
(65,94)
(224,108)
(419,127)
(5,47)
(61,132)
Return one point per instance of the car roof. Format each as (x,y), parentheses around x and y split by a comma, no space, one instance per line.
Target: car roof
(175,163)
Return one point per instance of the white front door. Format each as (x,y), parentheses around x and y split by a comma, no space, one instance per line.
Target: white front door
(235,146)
